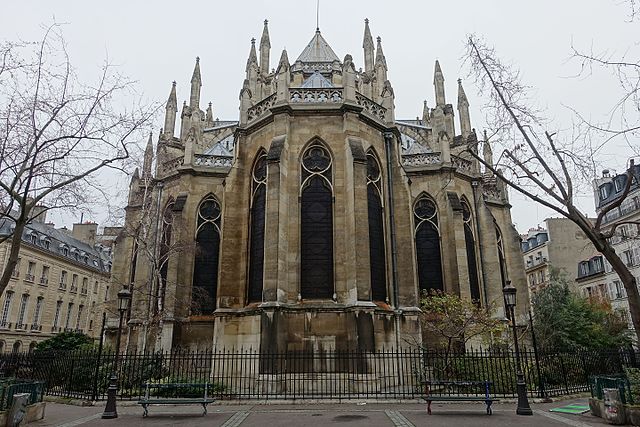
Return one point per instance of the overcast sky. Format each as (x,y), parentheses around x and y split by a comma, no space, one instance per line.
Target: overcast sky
(157,42)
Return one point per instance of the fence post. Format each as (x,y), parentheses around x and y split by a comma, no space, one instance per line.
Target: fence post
(564,373)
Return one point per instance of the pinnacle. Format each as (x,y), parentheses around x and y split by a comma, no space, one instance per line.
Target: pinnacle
(196,72)
(264,40)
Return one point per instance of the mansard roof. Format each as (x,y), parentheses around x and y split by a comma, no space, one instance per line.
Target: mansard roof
(317,80)
(318,50)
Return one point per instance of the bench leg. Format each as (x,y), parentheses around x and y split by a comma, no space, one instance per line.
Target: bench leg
(204,406)
(489,411)
(429,407)
(146,411)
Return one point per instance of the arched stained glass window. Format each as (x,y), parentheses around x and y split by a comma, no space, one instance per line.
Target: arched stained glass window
(472,263)
(427,236)
(165,251)
(377,258)
(316,224)
(205,270)
(257,226)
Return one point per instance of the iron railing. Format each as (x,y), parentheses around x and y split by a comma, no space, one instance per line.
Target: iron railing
(247,374)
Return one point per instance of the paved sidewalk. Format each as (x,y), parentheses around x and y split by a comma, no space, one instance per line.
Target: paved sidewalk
(308,415)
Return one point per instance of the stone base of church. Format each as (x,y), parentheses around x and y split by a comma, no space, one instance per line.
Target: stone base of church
(318,329)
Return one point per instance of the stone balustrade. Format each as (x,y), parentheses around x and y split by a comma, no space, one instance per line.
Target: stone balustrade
(212,161)
(422,159)
(262,106)
(370,106)
(315,95)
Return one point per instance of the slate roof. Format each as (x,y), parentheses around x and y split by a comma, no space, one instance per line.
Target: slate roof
(317,80)
(57,241)
(219,148)
(318,50)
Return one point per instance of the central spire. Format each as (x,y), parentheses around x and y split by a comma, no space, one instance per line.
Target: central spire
(318,50)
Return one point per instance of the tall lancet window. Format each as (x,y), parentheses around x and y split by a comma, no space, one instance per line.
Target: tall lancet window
(165,252)
(427,235)
(377,259)
(256,230)
(205,270)
(316,228)
(472,263)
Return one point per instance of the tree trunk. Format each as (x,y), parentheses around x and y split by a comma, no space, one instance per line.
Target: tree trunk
(630,286)
(14,251)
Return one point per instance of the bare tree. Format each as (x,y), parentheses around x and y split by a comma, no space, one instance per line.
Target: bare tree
(550,172)
(57,133)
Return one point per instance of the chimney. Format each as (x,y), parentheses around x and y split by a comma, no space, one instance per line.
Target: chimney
(85,232)
(605,173)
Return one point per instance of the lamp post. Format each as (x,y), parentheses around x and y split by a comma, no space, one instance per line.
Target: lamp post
(509,292)
(110,411)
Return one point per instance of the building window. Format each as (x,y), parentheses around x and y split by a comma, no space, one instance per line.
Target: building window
(501,257)
(95,287)
(37,312)
(68,319)
(56,318)
(21,312)
(604,192)
(427,237)
(597,264)
(74,283)
(44,278)
(33,238)
(472,263)
(63,279)
(47,244)
(31,270)
(16,269)
(375,207)
(628,258)
(79,317)
(85,285)
(316,224)
(257,227)
(205,271)
(17,346)
(6,309)
(584,269)
(106,293)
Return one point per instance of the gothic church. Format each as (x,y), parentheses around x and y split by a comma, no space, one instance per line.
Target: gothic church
(315,220)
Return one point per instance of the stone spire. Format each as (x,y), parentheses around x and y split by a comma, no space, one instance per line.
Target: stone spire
(283,77)
(426,117)
(253,58)
(463,111)
(196,85)
(380,59)
(170,114)
(368,46)
(438,82)
(487,153)
(209,117)
(265,49)
(148,158)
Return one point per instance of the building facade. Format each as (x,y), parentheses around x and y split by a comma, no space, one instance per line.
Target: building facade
(317,219)
(626,239)
(560,244)
(59,284)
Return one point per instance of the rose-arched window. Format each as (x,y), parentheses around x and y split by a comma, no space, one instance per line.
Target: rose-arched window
(427,237)
(472,263)
(316,224)
(257,227)
(205,270)
(377,258)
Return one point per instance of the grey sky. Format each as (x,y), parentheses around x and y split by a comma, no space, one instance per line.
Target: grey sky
(157,42)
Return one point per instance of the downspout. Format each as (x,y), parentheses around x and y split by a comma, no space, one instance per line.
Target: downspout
(388,139)
(474,186)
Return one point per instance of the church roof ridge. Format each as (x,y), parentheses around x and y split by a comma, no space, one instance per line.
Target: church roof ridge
(318,50)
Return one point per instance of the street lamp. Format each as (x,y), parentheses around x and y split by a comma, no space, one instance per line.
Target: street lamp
(509,292)
(110,411)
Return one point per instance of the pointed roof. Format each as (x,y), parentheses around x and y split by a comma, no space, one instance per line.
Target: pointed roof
(218,149)
(253,57)
(264,40)
(462,97)
(173,99)
(318,50)
(284,60)
(317,80)
(196,72)
(380,59)
(368,40)
(148,156)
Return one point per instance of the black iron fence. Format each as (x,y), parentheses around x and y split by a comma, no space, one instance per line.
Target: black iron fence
(249,374)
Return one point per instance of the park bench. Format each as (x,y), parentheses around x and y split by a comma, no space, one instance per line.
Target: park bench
(458,391)
(175,394)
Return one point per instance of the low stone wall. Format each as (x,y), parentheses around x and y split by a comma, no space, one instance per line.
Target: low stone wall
(630,414)
(35,412)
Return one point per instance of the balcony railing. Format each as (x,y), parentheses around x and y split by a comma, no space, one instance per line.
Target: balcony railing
(212,161)
(62,285)
(29,277)
(15,274)
(6,325)
(36,327)
(44,281)
(21,326)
